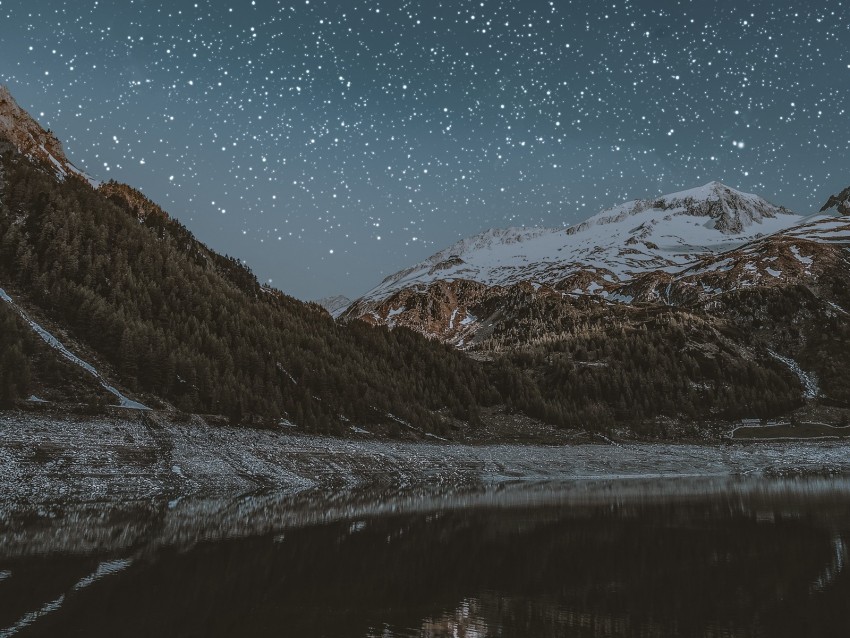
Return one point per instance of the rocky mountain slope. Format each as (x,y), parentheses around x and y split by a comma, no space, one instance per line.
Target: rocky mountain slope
(24,133)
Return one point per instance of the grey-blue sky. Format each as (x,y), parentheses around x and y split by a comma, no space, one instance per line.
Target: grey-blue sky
(331,143)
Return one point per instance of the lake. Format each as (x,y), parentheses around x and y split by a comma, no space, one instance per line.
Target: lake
(674,557)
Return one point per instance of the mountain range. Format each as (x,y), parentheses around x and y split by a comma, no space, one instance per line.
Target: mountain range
(663,317)
(684,247)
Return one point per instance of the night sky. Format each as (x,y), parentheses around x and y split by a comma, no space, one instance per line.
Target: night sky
(329,144)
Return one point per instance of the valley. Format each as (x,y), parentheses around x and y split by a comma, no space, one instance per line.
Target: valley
(667,318)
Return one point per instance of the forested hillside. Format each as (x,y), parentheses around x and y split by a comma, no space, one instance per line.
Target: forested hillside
(176,320)
(582,363)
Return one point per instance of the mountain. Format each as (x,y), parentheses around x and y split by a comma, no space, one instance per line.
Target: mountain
(704,304)
(19,129)
(618,255)
(335,305)
(105,299)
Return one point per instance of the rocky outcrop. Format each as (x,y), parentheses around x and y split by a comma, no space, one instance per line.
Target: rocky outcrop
(30,138)
(840,203)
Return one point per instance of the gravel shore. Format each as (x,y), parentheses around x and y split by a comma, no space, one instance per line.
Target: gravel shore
(80,484)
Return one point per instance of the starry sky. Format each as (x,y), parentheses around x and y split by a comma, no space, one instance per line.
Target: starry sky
(330,143)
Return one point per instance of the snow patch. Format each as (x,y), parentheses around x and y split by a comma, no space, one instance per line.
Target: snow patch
(811,389)
(286,372)
(838,308)
(408,425)
(57,345)
(806,261)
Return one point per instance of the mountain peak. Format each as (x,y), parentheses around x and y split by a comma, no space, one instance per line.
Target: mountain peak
(729,211)
(30,138)
(840,203)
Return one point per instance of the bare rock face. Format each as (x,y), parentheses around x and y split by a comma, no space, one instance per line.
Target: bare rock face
(840,202)
(445,310)
(21,130)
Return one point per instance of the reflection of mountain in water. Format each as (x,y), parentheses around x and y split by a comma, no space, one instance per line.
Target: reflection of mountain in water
(730,564)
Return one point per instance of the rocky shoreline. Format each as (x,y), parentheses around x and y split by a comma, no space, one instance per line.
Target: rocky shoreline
(113,483)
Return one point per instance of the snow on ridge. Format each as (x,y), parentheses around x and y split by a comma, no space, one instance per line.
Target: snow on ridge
(335,305)
(669,233)
(489,239)
(734,205)
(57,345)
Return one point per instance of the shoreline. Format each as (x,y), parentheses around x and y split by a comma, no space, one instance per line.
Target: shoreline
(45,458)
(137,483)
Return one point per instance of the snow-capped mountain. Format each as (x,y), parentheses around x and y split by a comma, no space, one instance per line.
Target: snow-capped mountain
(19,127)
(667,233)
(691,244)
(335,305)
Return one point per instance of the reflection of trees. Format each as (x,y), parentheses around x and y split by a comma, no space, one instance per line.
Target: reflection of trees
(647,570)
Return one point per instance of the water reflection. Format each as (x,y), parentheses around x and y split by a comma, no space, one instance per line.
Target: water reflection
(743,559)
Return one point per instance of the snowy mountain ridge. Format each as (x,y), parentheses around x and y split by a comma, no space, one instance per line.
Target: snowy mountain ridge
(729,211)
(335,305)
(667,233)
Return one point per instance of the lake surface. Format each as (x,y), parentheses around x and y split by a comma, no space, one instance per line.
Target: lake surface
(666,558)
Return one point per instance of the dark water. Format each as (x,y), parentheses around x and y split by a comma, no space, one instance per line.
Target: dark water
(765,560)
